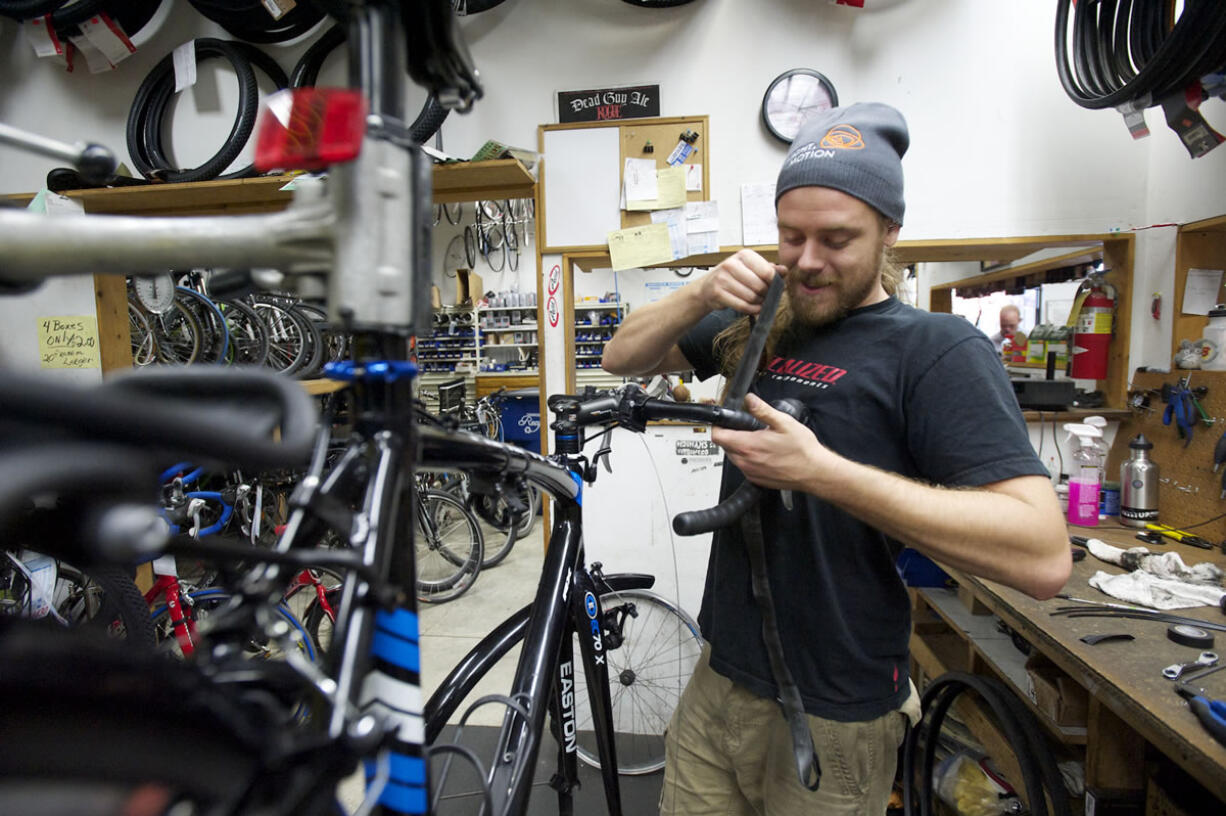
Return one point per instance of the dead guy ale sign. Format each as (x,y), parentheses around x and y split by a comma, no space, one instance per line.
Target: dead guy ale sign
(609,103)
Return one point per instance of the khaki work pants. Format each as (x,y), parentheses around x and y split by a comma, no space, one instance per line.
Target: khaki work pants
(730,754)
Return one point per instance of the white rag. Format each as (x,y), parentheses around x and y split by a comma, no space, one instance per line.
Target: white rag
(1145,589)
(1157,581)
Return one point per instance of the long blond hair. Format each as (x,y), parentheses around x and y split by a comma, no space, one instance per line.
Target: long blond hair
(730,343)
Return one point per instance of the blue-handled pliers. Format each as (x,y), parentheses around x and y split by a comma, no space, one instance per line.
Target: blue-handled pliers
(1210,712)
(1180,407)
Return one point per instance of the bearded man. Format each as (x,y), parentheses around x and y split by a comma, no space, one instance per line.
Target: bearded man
(913,438)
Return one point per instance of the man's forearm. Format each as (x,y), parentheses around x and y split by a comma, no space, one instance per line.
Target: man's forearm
(1011,532)
(651,331)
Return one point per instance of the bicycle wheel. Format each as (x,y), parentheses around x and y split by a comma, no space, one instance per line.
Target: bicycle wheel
(107,599)
(176,335)
(144,347)
(204,602)
(648,669)
(248,334)
(303,601)
(449,545)
(287,344)
(495,515)
(215,342)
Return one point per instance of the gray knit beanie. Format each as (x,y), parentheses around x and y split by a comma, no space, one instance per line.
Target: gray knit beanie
(857,149)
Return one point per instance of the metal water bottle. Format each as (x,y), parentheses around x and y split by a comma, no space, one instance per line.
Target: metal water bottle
(1139,485)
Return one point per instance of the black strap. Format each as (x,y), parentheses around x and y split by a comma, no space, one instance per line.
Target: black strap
(808,770)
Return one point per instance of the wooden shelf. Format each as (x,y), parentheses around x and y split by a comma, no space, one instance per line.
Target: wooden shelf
(461,181)
(1036,267)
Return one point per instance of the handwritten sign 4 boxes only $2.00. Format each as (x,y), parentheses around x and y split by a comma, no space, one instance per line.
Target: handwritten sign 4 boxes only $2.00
(68,342)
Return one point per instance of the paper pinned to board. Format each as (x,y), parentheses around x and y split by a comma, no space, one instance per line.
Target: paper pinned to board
(68,342)
(675,220)
(758,224)
(1200,293)
(670,191)
(639,180)
(693,178)
(640,246)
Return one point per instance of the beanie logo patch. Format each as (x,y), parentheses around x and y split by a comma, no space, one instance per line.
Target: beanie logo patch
(843,137)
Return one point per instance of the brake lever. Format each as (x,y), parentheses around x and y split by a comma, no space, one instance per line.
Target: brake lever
(606,447)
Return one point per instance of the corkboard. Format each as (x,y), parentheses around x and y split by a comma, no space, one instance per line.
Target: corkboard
(664,134)
(1188,489)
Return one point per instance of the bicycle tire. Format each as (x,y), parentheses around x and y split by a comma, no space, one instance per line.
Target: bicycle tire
(144,348)
(287,348)
(495,516)
(154,94)
(335,343)
(449,544)
(205,601)
(216,338)
(176,334)
(248,334)
(647,673)
(303,603)
(28,9)
(459,213)
(658,3)
(314,340)
(470,246)
(118,603)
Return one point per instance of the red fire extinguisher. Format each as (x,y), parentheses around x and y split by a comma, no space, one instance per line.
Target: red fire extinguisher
(1091,343)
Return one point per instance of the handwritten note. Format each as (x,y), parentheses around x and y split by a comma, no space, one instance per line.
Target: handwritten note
(640,179)
(670,183)
(675,219)
(68,342)
(1200,293)
(758,215)
(636,247)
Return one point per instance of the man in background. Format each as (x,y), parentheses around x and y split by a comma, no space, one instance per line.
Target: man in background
(1010,319)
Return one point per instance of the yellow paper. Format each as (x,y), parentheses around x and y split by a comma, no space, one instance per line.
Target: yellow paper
(670,182)
(68,342)
(640,246)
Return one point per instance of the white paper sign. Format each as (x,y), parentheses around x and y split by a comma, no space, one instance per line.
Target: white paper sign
(640,180)
(185,65)
(758,224)
(1200,293)
(108,37)
(693,178)
(675,219)
(702,216)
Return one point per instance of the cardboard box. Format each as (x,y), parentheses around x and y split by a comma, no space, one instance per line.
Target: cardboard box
(1056,694)
(468,287)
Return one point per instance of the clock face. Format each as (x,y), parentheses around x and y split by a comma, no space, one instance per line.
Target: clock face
(157,293)
(792,98)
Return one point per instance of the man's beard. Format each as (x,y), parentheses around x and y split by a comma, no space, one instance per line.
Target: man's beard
(852,290)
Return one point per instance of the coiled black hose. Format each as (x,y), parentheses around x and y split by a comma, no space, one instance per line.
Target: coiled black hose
(1123,52)
(131,15)
(250,20)
(1022,732)
(145,120)
(27,9)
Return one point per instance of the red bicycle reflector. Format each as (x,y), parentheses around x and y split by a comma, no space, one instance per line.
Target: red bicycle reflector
(310,128)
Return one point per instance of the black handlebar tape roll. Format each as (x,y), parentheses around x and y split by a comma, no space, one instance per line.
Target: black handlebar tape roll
(149,107)
(697,522)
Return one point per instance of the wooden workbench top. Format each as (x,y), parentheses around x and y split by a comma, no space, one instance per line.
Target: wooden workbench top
(1126,676)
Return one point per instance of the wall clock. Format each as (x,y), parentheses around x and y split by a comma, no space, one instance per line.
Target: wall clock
(792,97)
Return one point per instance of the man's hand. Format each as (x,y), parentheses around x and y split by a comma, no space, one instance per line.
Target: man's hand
(784,456)
(740,281)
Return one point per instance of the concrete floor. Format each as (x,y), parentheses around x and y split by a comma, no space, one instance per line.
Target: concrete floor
(448,632)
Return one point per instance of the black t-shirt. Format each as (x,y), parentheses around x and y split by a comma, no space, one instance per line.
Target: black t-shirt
(919,394)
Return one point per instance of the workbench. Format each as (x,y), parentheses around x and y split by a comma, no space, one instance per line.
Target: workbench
(1130,704)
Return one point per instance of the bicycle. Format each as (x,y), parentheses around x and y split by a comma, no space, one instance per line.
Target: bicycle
(365,698)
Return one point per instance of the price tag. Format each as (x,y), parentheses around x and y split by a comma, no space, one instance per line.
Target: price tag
(95,60)
(108,37)
(278,8)
(68,342)
(41,35)
(185,65)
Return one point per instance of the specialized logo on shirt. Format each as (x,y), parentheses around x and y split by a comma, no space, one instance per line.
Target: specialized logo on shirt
(843,137)
(805,372)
